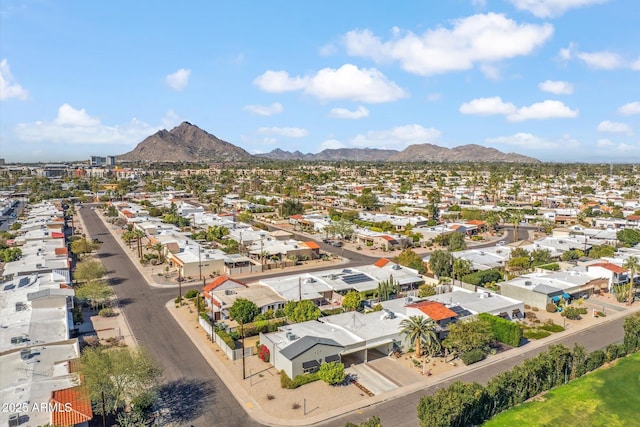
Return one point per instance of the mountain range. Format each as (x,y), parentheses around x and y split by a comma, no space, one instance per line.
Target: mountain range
(189,143)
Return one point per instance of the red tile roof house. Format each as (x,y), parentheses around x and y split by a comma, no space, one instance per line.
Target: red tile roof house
(436,311)
(614,273)
(220,283)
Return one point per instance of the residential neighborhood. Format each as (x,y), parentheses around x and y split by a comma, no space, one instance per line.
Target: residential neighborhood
(357,274)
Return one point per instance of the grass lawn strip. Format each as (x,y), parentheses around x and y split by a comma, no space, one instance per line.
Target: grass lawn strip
(608,397)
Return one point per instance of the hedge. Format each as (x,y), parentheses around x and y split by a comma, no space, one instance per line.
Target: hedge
(472,356)
(482,277)
(505,330)
(228,339)
(299,380)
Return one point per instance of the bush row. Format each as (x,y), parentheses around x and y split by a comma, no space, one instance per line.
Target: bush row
(505,331)
(472,356)
(299,380)
(482,277)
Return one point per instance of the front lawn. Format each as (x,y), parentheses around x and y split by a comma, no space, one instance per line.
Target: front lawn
(607,397)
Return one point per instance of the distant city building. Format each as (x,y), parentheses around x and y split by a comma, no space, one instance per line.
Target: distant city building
(95,161)
(1,162)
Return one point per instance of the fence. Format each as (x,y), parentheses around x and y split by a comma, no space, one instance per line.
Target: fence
(233,354)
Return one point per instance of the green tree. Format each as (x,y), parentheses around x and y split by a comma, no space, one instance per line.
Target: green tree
(341,228)
(572,254)
(96,292)
(243,311)
(351,301)
(632,333)
(301,311)
(457,242)
(409,258)
(419,330)
(629,237)
(426,290)
(10,254)
(125,376)
(87,271)
(465,336)
(601,251)
(633,266)
(292,207)
(83,246)
(374,421)
(367,200)
(461,267)
(540,257)
(332,373)
(441,263)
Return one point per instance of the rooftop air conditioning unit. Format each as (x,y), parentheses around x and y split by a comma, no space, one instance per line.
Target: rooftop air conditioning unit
(528,283)
(20,306)
(396,267)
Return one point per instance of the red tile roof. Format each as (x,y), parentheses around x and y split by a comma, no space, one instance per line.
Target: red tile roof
(476,222)
(388,238)
(61,251)
(609,266)
(219,281)
(296,216)
(434,310)
(312,245)
(55,235)
(73,406)
(381,262)
(633,218)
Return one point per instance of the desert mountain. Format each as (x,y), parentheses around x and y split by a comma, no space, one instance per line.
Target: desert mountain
(189,143)
(184,143)
(413,153)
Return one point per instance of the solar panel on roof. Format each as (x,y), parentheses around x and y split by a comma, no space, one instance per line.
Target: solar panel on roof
(356,278)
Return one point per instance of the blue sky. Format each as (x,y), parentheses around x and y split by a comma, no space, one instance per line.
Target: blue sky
(558,80)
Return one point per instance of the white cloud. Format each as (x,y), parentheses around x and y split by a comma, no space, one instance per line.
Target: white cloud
(397,138)
(487,106)
(604,143)
(343,113)
(477,39)
(630,109)
(433,97)
(347,82)
(286,131)
(490,71)
(551,8)
(75,126)
(635,66)
(331,144)
(479,3)
(614,127)
(279,81)
(9,88)
(265,110)
(547,109)
(603,60)
(179,80)
(557,87)
(534,142)
(327,50)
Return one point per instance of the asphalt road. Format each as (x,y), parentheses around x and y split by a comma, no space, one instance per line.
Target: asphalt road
(192,394)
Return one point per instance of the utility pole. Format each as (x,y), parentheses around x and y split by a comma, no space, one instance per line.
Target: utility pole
(244,376)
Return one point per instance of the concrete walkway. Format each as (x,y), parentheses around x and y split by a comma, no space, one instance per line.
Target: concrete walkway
(370,378)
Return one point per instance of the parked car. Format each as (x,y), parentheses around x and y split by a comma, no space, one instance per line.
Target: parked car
(336,244)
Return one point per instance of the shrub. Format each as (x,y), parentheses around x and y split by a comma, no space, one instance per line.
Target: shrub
(482,277)
(288,383)
(191,294)
(572,313)
(270,397)
(504,330)
(263,353)
(228,339)
(595,360)
(295,406)
(536,334)
(615,351)
(332,373)
(472,356)
(534,308)
(600,314)
(552,308)
(551,327)
(106,312)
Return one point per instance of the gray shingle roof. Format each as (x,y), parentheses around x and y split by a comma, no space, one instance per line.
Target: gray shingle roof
(305,343)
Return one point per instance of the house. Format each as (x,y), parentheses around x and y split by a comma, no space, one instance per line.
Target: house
(613,273)
(436,311)
(307,354)
(221,283)
(262,296)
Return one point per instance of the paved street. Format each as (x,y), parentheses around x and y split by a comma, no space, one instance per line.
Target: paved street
(192,392)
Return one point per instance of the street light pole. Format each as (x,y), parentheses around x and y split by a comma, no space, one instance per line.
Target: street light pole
(243,362)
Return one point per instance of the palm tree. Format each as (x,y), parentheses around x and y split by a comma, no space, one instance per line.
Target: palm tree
(419,329)
(633,265)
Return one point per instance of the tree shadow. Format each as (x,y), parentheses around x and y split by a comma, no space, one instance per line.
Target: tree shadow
(116,280)
(185,400)
(105,255)
(123,302)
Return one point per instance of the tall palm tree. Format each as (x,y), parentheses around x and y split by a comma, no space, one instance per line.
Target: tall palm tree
(633,265)
(419,330)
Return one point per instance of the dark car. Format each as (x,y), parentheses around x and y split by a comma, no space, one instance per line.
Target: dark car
(336,244)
